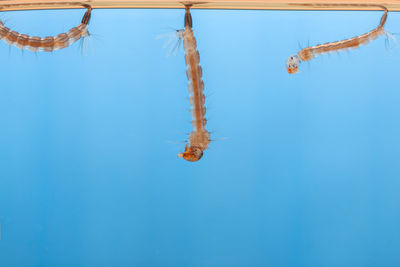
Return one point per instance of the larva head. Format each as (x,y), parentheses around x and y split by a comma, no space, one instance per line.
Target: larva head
(192,153)
(292,64)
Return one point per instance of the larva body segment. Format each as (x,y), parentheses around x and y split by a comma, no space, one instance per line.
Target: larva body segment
(11,37)
(3,30)
(199,138)
(308,53)
(22,41)
(61,41)
(34,43)
(76,33)
(47,44)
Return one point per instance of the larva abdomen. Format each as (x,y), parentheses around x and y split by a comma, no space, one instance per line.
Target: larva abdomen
(305,54)
(49,43)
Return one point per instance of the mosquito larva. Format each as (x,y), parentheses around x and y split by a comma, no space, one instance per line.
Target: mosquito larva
(47,44)
(308,53)
(199,138)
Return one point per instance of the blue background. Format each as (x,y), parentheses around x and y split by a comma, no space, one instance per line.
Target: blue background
(304,170)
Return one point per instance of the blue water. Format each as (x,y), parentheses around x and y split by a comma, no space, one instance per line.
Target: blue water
(304,169)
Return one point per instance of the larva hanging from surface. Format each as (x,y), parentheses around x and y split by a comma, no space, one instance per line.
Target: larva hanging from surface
(47,44)
(308,53)
(199,138)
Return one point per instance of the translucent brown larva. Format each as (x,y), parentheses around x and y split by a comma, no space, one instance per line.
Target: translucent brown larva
(47,44)
(308,53)
(199,138)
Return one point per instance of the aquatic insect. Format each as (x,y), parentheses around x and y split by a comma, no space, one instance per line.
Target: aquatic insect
(50,43)
(199,138)
(308,53)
